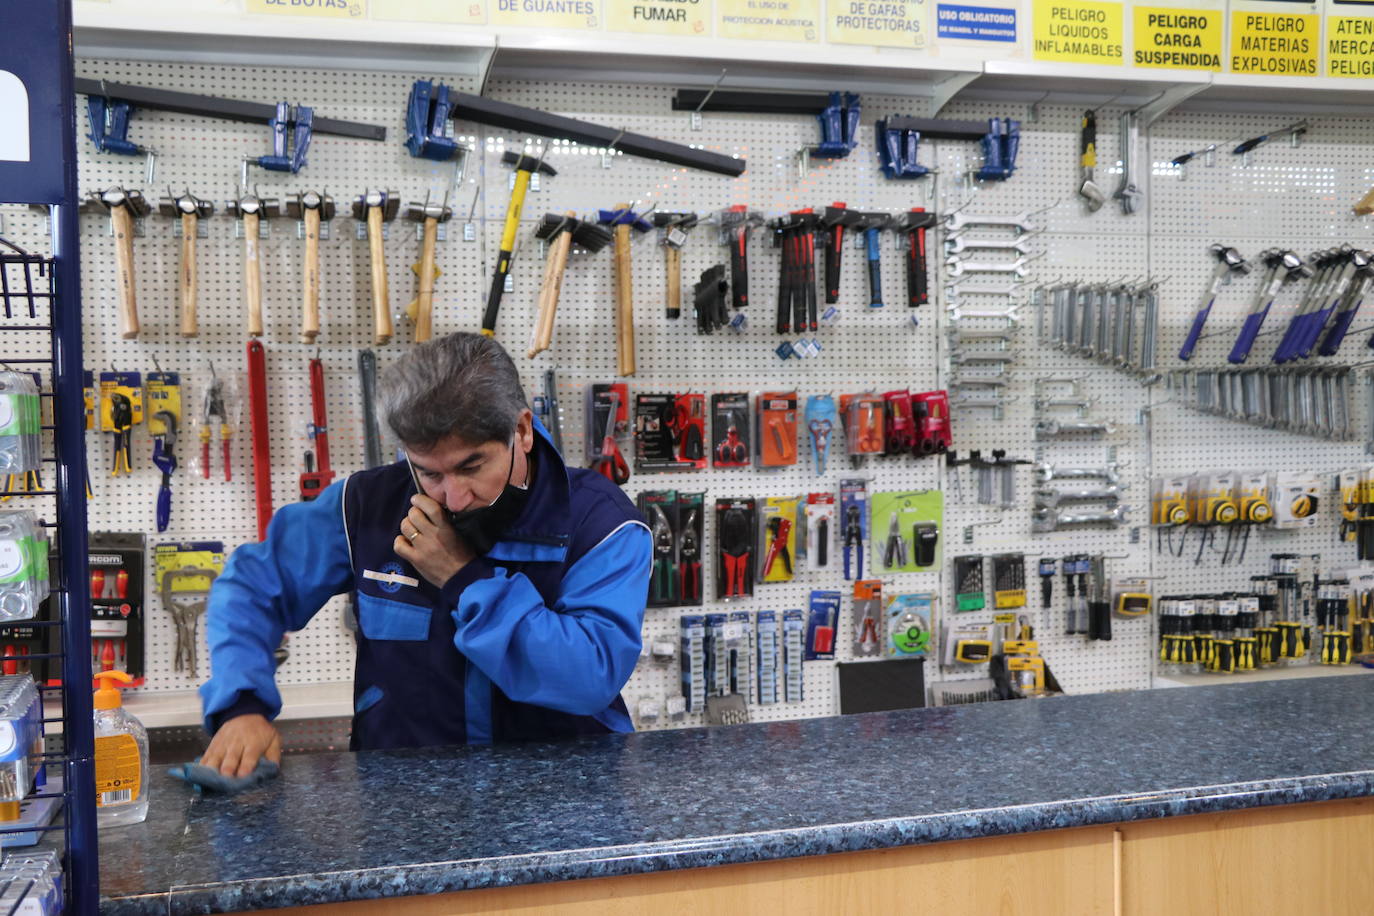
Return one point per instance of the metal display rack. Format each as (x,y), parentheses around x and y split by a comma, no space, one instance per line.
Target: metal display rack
(41,298)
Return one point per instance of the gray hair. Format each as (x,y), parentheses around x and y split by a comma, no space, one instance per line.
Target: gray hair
(462,385)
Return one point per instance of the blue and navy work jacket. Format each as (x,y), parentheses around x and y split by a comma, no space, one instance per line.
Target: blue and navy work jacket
(534,640)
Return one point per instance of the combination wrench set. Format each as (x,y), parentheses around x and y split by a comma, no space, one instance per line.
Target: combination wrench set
(1115,324)
(1057,507)
(1310,401)
(1061,410)
(979,266)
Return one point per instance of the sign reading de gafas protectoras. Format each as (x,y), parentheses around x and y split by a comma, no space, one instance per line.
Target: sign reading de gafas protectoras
(889,23)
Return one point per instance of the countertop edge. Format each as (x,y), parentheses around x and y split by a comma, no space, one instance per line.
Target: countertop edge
(603,862)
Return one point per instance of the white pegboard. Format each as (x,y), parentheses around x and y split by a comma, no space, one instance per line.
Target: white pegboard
(1297,197)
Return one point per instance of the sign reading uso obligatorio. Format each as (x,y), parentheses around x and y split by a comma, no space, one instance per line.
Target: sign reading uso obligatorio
(975,23)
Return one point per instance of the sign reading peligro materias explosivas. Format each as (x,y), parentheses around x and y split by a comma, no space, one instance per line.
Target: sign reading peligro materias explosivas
(1350,38)
(1078,31)
(1178,35)
(1275,37)
(892,23)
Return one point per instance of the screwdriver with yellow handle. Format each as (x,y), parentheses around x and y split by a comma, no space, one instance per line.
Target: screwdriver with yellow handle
(524,166)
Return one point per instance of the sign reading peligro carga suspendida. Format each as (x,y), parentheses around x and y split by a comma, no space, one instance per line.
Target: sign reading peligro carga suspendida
(1178,35)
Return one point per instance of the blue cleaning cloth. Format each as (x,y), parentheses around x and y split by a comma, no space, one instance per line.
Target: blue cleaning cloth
(208,779)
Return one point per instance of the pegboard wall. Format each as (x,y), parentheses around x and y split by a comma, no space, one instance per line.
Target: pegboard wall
(1297,198)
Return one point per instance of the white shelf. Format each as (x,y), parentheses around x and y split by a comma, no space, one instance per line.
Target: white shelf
(182,708)
(535,54)
(1263,674)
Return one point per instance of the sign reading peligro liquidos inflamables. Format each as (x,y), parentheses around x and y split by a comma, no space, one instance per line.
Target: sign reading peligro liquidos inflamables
(1078,31)
(1275,37)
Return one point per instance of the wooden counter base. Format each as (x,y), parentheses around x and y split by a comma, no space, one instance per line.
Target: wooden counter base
(1285,859)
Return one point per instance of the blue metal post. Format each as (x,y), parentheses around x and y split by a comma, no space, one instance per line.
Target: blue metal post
(70,442)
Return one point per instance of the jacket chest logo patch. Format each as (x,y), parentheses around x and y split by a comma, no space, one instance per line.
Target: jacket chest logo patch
(390,578)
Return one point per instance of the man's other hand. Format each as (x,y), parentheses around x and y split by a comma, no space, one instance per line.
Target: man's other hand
(428,542)
(240,743)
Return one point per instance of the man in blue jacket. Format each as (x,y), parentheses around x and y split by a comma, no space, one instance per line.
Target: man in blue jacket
(500,593)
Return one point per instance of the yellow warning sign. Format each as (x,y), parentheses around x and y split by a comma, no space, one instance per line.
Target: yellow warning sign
(1277,44)
(1177,39)
(320,9)
(1078,31)
(1350,46)
(467,12)
(769,20)
(660,17)
(547,14)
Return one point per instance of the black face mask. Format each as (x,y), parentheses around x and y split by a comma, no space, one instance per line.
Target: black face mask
(482,527)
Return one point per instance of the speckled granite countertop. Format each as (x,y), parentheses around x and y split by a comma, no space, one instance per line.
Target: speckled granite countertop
(342,826)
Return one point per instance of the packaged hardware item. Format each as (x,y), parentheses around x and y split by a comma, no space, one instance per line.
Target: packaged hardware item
(910,624)
(21,742)
(778,529)
(23,565)
(731,446)
(31,883)
(736,524)
(777,427)
(20,421)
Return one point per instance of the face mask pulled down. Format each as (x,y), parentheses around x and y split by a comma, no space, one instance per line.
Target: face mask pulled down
(482,527)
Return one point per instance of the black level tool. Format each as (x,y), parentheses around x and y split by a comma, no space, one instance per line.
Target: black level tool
(519,119)
(211,107)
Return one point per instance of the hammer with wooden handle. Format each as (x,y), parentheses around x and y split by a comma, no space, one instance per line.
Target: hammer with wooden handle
(375,208)
(421,309)
(125,206)
(561,232)
(314,210)
(622,219)
(190,210)
(675,227)
(251,211)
